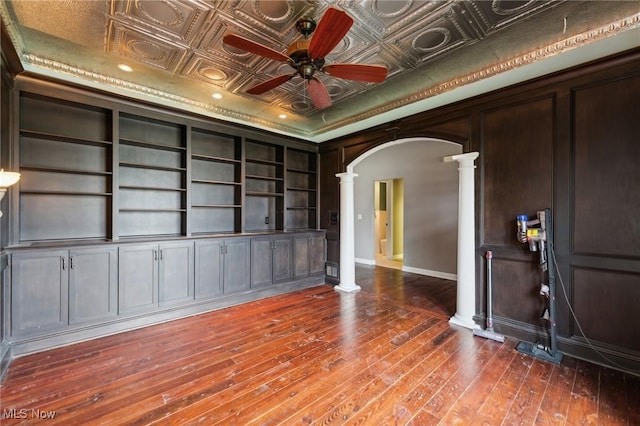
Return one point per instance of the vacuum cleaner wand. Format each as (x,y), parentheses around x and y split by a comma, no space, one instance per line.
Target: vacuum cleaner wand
(488,332)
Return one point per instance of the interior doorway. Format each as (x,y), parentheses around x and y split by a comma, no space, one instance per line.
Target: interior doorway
(389,223)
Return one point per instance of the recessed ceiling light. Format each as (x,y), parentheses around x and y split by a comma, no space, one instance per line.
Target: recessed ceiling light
(217,96)
(282,116)
(125,67)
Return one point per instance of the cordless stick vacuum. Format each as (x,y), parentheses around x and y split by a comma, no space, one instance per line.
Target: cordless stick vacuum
(488,331)
(540,238)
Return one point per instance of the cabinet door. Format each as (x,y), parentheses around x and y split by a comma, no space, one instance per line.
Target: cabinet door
(39,292)
(209,268)
(261,261)
(176,272)
(236,265)
(301,256)
(93,291)
(282,259)
(317,254)
(138,278)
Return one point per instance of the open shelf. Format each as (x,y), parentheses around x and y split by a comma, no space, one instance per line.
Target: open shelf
(65,161)
(53,192)
(151,145)
(215,159)
(216,182)
(63,138)
(152,167)
(126,172)
(152,176)
(270,178)
(301,189)
(64,170)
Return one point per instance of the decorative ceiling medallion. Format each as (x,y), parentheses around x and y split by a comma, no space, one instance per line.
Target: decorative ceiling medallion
(334,89)
(274,11)
(513,6)
(213,74)
(431,39)
(235,52)
(145,50)
(161,12)
(390,8)
(300,106)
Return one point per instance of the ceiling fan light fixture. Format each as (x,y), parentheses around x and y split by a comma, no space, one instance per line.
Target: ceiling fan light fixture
(306,71)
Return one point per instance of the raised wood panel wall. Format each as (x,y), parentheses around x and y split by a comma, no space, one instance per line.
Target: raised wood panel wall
(606,168)
(523,133)
(568,141)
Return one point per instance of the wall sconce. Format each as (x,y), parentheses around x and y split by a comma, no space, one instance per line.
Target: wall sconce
(6,180)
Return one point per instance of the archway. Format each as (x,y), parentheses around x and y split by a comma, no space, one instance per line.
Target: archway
(465,308)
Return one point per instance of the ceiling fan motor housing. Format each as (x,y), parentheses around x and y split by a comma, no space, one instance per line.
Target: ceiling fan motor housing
(298,51)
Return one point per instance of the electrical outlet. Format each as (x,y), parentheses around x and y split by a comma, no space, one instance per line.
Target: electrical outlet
(266,220)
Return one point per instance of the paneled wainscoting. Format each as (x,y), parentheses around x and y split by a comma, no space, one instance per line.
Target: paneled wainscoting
(385,355)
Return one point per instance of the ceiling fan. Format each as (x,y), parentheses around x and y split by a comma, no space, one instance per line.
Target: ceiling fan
(306,57)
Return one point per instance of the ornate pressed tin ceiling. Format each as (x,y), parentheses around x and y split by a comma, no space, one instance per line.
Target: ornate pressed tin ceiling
(175,49)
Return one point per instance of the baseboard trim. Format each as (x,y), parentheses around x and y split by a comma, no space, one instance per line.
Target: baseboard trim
(5,358)
(616,359)
(430,273)
(369,262)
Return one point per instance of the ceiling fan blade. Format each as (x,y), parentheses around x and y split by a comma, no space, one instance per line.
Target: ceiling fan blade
(269,84)
(332,28)
(357,72)
(247,45)
(318,94)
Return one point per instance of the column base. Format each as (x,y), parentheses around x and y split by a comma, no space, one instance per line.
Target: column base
(347,289)
(470,324)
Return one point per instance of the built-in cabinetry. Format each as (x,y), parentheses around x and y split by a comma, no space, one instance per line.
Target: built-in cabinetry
(79,292)
(271,260)
(310,249)
(222,266)
(128,215)
(54,288)
(152,275)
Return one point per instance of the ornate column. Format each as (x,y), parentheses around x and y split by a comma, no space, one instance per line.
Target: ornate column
(347,234)
(466,292)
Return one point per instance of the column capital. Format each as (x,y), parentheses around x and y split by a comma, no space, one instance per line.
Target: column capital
(346,176)
(467,158)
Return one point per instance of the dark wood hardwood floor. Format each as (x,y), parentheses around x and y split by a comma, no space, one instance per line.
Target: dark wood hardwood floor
(385,355)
